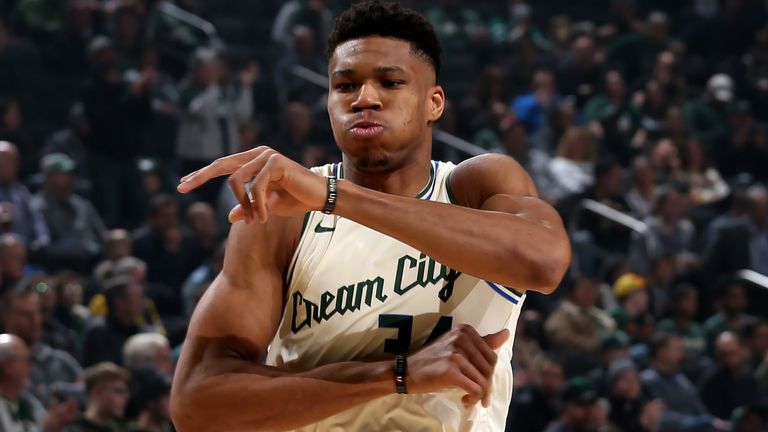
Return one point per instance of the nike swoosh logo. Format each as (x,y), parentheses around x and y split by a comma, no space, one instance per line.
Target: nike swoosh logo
(321,229)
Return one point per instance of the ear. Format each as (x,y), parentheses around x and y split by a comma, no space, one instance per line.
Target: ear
(436,104)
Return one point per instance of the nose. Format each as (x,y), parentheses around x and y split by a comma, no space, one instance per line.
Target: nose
(367,98)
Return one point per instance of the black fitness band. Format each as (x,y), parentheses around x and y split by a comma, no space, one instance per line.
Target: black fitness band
(401,367)
(330,201)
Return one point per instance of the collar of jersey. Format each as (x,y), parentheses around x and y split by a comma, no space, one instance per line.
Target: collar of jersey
(426,192)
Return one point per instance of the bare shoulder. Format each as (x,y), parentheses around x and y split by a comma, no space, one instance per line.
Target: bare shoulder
(251,283)
(476,179)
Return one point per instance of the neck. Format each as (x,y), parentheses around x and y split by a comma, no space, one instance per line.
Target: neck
(407,180)
(93,414)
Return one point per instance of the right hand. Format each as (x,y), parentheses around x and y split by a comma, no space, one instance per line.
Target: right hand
(460,359)
(59,415)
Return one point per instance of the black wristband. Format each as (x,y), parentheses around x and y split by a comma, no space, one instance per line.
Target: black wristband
(330,200)
(401,368)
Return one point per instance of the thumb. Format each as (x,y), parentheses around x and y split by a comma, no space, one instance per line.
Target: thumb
(496,340)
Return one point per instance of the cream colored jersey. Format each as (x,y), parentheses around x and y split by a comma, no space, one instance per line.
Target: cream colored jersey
(354,293)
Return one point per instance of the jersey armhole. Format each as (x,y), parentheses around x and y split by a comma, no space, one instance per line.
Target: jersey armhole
(449,189)
(295,258)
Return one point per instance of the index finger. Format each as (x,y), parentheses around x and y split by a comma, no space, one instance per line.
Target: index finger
(220,167)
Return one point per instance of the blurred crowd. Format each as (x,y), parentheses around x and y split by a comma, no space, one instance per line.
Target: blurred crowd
(643,122)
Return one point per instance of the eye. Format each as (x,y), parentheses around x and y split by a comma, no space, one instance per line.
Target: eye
(344,87)
(391,83)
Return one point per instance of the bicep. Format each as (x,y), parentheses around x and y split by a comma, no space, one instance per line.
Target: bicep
(239,313)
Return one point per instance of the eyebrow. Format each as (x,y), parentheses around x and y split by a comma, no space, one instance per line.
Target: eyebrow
(379,70)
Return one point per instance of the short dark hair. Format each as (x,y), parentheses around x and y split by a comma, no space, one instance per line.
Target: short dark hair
(389,20)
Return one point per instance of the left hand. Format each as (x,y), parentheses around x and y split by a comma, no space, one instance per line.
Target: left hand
(278,185)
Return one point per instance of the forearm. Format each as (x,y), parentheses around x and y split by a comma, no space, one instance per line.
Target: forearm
(497,242)
(238,395)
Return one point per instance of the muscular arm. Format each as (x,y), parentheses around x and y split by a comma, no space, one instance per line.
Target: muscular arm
(501,231)
(220,383)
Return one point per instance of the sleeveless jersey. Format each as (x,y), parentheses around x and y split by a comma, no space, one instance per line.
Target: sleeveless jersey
(354,293)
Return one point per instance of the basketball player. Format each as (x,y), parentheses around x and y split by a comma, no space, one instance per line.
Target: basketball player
(367,284)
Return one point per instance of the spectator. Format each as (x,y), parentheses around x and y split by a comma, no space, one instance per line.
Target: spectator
(756,338)
(534,108)
(617,117)
(706,185)
(27,222)
(632,315)
(577,325)
(297,132)
(204,228)
(581,410)
(117,113)
(50,368)
(72,141)
(136,270)
(742,243)
(684,410)
(22,411)
(150,399)
(533,408)
(613,346)
(729,385)
(76,230)
(640,196)
(669,231)
(580,73)
(747,149)
(707,116)
(732,314)
(170,252)
(148,350)
(460,29)
(200,279)
(630,410)
(660,283)
(313,14)
(302,53)
(13,261)
(573,168)
(108,393)
(55,334)
(105,338)
(70,310)
(682,322)
(117,244)
(12,130)
(211,110)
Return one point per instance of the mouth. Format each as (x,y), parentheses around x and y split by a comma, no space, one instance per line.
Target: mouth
(366,129)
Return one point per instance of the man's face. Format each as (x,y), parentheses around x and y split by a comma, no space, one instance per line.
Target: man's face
(60,183)
(381,99)
(15,370)
(673,353)
(24,319)
(551,378)
(165,218)
(736,300)
(627,385)
(113,397)
(758,343)
(9,164)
